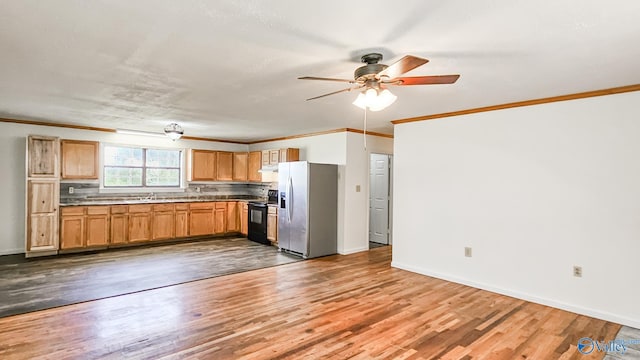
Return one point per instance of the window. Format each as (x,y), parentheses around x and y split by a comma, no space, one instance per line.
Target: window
(140,167)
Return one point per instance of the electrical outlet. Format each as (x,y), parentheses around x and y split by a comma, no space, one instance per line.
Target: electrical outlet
(467,251)
(197,189)
(71,190)
(357,188)
(577,271)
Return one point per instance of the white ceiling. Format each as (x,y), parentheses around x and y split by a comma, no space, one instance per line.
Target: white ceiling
(229,69)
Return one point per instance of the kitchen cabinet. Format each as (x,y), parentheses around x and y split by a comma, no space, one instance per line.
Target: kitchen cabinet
(244,218)
(220,222)
(84,226)
(42,156)
(42,200)
(272,224)
(240,166)
(203,165)
(265,158)
(119,224)
(233,217)
(270,157)
(163,221)
(224,166)
(182,220)
(289,154)
(139,223)
(201,218)
(255,163)
(79,159)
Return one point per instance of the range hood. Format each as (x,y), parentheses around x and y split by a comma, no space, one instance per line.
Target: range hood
(268,169)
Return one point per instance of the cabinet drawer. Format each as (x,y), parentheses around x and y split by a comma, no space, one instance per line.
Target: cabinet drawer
(163,207)
(97,210)
(202,205)
(73,210)
(139,208)
(221,205)
(182,206)
(272,210)
(119,209)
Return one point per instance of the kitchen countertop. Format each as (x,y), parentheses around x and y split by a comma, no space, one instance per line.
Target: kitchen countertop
(134,201)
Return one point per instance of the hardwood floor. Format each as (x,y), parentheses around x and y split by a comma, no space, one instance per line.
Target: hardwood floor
(37,284)
(336,307)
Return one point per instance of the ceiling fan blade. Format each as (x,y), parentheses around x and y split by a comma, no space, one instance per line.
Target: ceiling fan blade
(337,92)
(423,80)
(326,79)
(401,66)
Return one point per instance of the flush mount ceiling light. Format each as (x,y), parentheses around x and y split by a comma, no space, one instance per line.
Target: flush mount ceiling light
(173,131)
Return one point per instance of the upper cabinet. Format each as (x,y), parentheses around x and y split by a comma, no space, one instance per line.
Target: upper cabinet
(42,155)
(255,163)
(240,166)
(224,165)
(289,154)
(79,159)
(203,165)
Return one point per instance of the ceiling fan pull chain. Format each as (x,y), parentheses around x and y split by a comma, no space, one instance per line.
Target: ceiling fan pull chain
(364,133)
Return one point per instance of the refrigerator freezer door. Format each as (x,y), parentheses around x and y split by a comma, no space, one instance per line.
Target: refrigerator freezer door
(284,222)
(298,207)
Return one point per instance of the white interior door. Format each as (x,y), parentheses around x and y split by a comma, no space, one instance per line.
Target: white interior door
(379,199)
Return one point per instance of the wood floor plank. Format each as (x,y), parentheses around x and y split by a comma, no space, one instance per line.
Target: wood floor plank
(336,307)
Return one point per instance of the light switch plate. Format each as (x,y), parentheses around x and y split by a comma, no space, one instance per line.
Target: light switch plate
(357,188)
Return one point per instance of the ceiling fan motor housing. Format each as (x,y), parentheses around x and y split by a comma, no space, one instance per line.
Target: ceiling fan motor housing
(368,72)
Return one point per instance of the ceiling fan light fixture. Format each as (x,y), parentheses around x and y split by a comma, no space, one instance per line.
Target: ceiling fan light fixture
(173,131)
(375,100)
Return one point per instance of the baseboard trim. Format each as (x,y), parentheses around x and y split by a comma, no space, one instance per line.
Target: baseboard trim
(353,250)
(12,251)
(603,315)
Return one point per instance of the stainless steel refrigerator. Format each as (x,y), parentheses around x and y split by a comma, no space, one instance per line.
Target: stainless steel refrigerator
(308,208)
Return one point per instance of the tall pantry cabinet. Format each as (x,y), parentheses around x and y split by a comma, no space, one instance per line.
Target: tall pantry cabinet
(43,186)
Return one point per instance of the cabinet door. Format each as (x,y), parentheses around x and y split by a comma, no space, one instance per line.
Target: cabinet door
(289,154)
(182,223)
(233,217)
(43,232)
(163,225)
(139,227)
(274,157)
(97,230)
(72,227)
(244,219)
(79,159)
(42,156)
(119,228)
(42,196)
(265,157)
(201,221)
(240,166)
(255,163)
(224,166)
(272,224)
(220,226)
(203,165)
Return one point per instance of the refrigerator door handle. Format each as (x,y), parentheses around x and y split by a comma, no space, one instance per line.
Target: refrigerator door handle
(289,198)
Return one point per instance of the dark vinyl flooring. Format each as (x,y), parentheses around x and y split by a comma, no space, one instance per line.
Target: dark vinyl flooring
(36,284)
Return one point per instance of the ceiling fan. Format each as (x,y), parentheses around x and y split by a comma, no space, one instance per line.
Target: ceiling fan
(373,78)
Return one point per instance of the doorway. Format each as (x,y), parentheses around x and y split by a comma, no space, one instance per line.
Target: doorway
(380,199)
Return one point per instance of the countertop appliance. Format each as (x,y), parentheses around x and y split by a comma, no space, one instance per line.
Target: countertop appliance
(308,208)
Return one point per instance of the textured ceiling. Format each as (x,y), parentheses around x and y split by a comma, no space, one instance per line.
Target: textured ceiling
(229,69)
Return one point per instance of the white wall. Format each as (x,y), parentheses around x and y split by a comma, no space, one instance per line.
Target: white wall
(534,191)
(12,162)
(347,150)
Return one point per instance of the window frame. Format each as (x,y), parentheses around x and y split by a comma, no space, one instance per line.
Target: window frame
(160,188)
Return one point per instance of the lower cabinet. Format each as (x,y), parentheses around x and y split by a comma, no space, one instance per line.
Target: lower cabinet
(201,218)
(220,221)
(244,219)
(163,221)
(84,226)
(272,224)
(182,220)
(119,224)
(233,217)
(139,223)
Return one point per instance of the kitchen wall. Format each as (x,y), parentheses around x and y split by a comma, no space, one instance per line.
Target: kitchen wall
(12,162)
(345,149)
(533,191)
